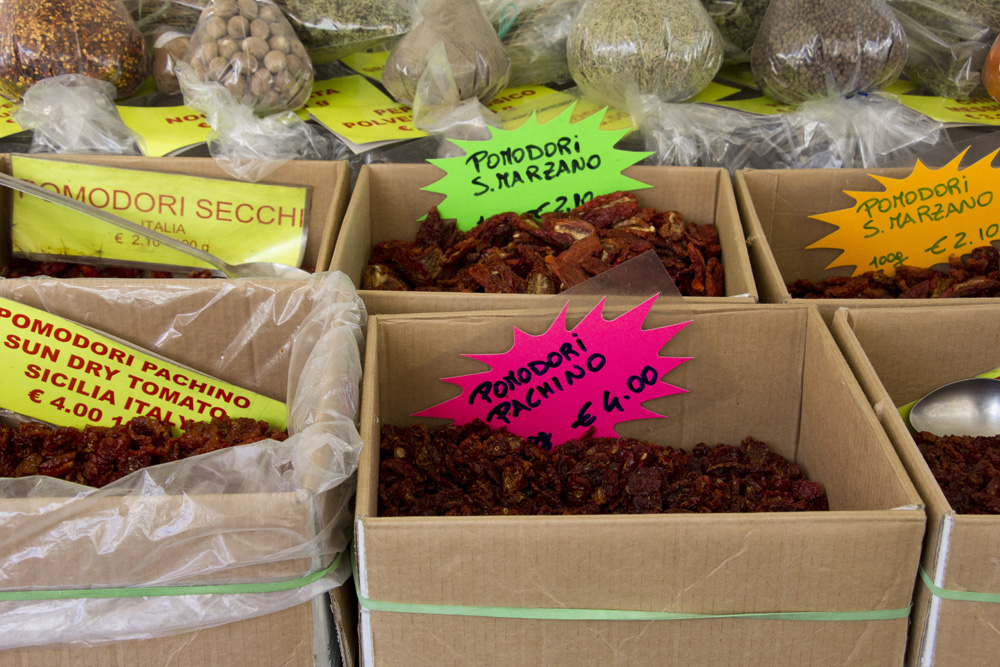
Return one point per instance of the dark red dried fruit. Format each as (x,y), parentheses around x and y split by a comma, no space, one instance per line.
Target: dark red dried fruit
(967,468)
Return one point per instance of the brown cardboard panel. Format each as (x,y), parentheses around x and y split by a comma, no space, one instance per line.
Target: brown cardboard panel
(776,205)
(284,638)
(899,355)
(387,203)
(330,183)
(412,639)
(771,372)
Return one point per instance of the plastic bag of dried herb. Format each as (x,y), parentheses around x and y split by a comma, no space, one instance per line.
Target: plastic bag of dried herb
(738,22)
(621,48)
(536,37)
(45,38)
(948,42)
(249,47)
(332,29)
(811,49)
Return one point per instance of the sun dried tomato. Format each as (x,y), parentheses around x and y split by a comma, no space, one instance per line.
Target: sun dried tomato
(471,470)
(97,455)
(967,468)
(518,254)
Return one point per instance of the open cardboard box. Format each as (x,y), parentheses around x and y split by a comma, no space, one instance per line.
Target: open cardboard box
(775,205)
(330,183)
(238,331)
(301,636)
(771,372)
(898,356)
(387,204)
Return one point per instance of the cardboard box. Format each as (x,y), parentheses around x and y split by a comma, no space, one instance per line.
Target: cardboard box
(237,331)
(899,355)
(330,182)
(772,372)
(387,203)
(300,636)
(775,205)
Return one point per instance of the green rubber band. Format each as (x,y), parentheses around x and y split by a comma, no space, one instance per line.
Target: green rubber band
(162,591)
(965,596)
(506,22)
(562,614)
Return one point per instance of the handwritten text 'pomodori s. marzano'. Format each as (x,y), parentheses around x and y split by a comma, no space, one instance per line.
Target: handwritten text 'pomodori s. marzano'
(218,210)
(528,164)
(144,378)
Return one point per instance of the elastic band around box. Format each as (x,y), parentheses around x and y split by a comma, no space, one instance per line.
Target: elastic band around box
(161,591)
(563,614)
(965,596)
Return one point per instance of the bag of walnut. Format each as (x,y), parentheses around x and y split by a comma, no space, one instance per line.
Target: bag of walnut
(249,47)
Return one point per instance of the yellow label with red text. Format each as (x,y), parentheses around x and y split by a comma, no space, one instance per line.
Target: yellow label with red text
(166,129)
(350,90)
(60,372)
(368,123)
(8,125)
(369,64)
(237,221)
(920,220)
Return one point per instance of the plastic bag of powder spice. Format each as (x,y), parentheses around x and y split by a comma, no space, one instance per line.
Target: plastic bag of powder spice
(44,38)
(264,511)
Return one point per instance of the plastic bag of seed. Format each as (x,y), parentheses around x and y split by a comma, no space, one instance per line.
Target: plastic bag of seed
(738,22)
(811,49)
(249,47)
(948,42)
(618,49)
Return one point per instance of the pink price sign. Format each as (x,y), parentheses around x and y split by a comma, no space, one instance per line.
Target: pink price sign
(558,385)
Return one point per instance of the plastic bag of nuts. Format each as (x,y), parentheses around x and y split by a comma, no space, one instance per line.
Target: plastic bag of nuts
(249,47)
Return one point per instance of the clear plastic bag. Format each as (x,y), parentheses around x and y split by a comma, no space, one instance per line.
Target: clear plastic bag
(991,71)
(811,49)
(76,114)
(331,29)
(948,42)
(168,47)
(536,38)
(738,22)
(247,146)
(45,38)
(478,63)
(263,512)
(621,49)
(249,47)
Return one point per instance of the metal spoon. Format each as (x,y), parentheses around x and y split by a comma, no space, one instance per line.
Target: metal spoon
(967,407)
(247,270)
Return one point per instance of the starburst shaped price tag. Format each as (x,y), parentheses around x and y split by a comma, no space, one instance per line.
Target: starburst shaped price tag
(558,385)
(536,168)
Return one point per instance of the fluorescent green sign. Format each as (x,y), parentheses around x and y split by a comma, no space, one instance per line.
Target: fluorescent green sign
(535,168)
(237,221)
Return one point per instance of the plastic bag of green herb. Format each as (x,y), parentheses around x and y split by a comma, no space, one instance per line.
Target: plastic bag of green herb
(618,49)
(534,34)
(738,22)
(474,56)
(332,29)
(811,49)
(948,41)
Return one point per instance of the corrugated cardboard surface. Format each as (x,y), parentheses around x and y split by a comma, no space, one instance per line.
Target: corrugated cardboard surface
(775,206)
(387,203)
(330,182)
(898,356)
(295,637)
(772,372)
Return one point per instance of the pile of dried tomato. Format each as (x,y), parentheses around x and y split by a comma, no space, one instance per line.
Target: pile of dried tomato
(98,455)
(979,275)
(967,468)
(516,254)
(472,470)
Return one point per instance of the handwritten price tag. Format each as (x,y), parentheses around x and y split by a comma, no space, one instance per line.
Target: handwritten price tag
(65,374)
(237,221)
(556,386)
(538,168)
(919,220)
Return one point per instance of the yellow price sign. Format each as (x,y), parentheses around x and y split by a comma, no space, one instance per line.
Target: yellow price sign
(239,222)
(919,220)
(60,372)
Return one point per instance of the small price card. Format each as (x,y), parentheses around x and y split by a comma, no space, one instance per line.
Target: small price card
(237,221)
(535,168)
(556,386)
(65,374)
(166,130)
(919,220)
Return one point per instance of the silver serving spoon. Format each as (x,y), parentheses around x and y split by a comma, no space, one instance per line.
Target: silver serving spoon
(967,407)
(248,270)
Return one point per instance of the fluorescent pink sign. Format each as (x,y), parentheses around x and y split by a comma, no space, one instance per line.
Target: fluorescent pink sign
(555,386)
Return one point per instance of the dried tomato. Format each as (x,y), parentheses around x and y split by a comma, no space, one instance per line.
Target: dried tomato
(471,470)
(967,468)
